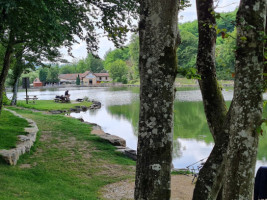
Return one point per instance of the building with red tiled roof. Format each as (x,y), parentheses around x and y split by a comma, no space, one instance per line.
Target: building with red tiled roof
(87,78)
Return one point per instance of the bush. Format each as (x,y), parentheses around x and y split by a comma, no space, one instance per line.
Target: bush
(6,101)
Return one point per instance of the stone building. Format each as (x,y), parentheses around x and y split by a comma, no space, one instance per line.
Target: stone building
(87,78)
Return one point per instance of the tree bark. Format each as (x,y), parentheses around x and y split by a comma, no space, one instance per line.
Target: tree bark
(5,68)
(17,72)
(211,175)
(246,112)
(15,92)
(159,38)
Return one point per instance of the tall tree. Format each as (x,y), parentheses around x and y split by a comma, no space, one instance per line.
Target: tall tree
(210,177)
(118,71)
(231,163)
(25,60)
(52,75)
(54,23)
(246,112)
(78,80)
(43,75)
(159,38)
(17,70)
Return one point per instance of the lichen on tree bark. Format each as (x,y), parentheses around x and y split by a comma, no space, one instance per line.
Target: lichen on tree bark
(159,38)
(232,160)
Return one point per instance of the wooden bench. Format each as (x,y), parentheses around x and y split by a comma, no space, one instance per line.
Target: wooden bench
(57,100)
(33,98)
(62,100)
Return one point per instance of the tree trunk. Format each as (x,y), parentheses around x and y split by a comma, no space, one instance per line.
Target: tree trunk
(15,92)
(246,112)
(159,38)
(5,68)
(211,175)
(17,72)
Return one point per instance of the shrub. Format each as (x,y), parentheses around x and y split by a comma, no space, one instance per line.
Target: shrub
(6,101)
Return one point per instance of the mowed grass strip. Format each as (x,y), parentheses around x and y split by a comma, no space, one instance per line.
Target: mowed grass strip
(10,127)
(67,162)
(47,105)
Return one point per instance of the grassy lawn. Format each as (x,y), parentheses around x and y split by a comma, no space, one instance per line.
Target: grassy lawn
(186,88)
(185,81)
(47,105)
(67,162)
(10,127)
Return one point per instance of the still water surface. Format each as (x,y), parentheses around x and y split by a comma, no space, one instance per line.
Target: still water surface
(119,116)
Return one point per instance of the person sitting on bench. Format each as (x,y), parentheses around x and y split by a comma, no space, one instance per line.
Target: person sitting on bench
(67,94)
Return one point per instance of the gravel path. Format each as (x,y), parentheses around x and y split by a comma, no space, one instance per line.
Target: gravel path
(181,185)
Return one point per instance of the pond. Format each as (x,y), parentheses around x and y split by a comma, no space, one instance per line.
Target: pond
(120,111)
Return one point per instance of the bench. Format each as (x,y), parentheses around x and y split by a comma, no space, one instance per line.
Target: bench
(33,98)
(79,100)
(57,100)
(62,100)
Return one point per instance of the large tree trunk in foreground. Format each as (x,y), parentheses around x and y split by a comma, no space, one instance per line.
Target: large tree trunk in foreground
(232,160)
(5,68)
(246,112)
(211,175)
(159,38)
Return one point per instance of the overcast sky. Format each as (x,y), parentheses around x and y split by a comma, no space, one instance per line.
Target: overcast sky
(189,14)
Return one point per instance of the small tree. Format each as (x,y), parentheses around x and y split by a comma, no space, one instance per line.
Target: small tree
(43,75)
(78,81)
(118,71)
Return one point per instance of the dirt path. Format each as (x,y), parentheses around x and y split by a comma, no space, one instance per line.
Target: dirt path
(181,185)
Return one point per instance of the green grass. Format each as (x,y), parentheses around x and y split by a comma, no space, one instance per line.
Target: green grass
(185,81)
(47,105)
(181,172)
(10,127)
(67,162)
(186,88)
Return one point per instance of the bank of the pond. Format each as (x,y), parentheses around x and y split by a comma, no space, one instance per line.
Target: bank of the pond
(67,162)
(10,127)
(48,105)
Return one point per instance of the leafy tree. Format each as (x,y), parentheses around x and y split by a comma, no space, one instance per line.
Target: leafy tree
(51,24)
(191,27)
(226,20)
(43,73)
(95,64)
(67,69)
(81,66)
(90,63)
(225,57)
(118,71)
(78,81)
(187,51)
(229,171)
(52,75)
(134,56)
(117,54)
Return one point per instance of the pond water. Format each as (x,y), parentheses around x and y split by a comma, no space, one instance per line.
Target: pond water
(120,111)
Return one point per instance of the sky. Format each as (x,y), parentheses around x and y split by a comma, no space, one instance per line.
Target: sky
(189,14)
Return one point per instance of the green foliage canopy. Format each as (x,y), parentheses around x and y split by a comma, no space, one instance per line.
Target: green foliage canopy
(118,71)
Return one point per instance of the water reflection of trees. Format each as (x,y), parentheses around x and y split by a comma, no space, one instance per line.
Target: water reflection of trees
(189,122)
(177,153)
(189,119)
